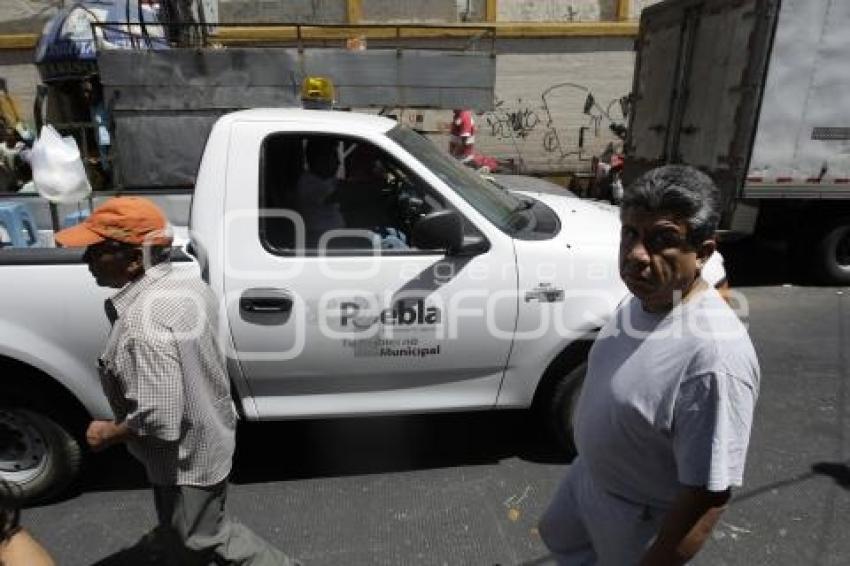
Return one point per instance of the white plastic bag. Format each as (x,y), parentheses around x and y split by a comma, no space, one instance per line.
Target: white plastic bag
(57,168)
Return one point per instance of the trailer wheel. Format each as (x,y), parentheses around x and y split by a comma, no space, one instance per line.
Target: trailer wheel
(834,253)
(38,457)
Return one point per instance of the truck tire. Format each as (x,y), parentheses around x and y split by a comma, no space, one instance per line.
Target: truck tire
(37,456)
(834,253)
(561,406)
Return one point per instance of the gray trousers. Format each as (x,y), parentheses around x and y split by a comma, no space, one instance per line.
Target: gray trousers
(195,530)
(586,526)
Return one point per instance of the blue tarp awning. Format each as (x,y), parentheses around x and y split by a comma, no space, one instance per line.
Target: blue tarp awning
(67,47)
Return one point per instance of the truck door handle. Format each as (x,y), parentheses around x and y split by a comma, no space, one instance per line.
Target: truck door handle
(265,301)
(264,306)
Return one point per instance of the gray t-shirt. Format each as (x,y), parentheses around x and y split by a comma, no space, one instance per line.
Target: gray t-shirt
(668,401)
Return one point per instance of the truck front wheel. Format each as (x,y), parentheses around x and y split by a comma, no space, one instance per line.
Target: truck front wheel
(37,456)
(560,408)
(834,253)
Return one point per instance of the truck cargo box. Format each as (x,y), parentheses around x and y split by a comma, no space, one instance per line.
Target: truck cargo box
(699,75)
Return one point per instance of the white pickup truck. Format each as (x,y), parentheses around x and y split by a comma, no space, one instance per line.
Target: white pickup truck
(438,291)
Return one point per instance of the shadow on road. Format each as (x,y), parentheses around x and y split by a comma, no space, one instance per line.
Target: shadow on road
(279,451)
(146,552)
(838,471)
(341,447)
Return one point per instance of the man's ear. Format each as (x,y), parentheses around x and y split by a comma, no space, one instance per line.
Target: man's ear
(135,260)
(705,249)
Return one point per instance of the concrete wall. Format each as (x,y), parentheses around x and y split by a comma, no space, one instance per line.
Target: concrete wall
(335,11)
(22,16)
(556,10)
(543,135)
(566,10)
(270,11)
(392,11)
(25,16)
(637,6)
(21,77)
(471,10)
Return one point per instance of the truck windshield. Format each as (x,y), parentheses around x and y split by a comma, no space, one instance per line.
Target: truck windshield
(499,206)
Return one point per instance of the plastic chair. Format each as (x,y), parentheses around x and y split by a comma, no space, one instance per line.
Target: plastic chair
(17,227)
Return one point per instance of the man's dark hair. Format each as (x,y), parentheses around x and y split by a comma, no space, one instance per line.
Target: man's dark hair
(683,191)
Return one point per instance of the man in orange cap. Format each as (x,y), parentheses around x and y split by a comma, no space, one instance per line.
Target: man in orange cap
(164,376)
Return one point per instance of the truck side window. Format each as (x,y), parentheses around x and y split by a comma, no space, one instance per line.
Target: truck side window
(350,194)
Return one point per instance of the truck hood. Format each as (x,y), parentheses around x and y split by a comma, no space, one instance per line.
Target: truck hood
(582,220)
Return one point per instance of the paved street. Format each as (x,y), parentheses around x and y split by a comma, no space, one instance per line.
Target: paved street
(468,489)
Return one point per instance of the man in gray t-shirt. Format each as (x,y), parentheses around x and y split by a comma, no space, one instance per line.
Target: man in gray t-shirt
(663,421)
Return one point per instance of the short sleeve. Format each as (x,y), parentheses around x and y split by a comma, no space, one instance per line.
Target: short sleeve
(153,389)
(712,419)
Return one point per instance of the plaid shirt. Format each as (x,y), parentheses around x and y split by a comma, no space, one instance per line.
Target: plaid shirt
(164,376)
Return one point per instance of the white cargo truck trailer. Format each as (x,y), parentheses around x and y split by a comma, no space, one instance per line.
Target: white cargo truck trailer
(754,92)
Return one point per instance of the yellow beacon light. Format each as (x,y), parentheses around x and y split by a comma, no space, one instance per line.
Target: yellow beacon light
(317,93)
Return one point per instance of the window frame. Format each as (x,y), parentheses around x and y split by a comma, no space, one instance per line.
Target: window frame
(469,227)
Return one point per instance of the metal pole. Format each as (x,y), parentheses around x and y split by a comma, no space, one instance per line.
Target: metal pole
(54,216)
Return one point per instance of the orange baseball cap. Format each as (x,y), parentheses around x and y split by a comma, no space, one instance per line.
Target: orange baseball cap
(132,220)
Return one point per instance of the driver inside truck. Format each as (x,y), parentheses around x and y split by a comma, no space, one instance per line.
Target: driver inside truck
(315,192)
(362,192)
(368,200)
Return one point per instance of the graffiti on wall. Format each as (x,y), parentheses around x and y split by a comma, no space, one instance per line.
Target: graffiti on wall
(515,122)
(608,118)
(561,134)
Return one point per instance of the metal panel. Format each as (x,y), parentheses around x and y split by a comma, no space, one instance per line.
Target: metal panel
(370,78)
(181,79)
(160,151)
(406,78)
(806,95)
(716,86)
(164,103)
(190,98)
(653,88)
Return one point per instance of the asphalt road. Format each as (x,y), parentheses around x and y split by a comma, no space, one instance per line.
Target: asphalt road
(468,489)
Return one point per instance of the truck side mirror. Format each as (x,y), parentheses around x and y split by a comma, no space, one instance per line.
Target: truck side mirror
(440,230)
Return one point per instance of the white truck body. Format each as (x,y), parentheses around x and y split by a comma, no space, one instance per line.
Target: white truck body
(413,330)
(802,145)
(318,366)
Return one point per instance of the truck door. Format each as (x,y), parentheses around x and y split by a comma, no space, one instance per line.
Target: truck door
(696,96)
(342,314)
(654,85)
(718,83)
